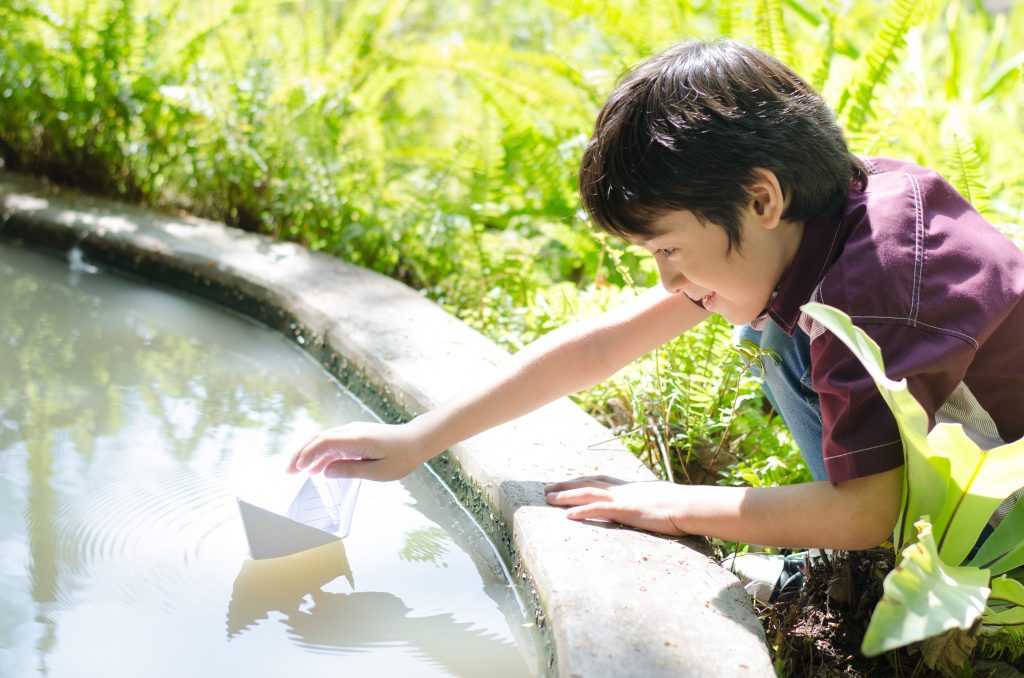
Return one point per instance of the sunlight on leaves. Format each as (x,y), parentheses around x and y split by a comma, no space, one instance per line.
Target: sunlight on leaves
(923,597)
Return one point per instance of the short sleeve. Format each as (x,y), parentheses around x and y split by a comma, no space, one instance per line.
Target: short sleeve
(859,432)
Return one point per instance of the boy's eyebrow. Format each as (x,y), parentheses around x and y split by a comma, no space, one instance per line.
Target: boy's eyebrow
(643,240)
(653,230)
(652,235)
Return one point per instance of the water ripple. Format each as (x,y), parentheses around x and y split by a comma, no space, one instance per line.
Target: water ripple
(155,536)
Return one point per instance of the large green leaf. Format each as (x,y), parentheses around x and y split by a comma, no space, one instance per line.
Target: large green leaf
(1005,604)
(1004,548)
(923,597)
(979,481)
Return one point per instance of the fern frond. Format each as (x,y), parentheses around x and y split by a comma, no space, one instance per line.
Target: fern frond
(820,75)
(964,168)
(727,11)
(1003,75)
(856,102)
(611,20)
(954,58)
(996,37)
(771,33)
(1005,643)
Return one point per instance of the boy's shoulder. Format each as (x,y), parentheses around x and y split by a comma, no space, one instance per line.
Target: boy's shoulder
(909,212)
(915,252)
(902,196)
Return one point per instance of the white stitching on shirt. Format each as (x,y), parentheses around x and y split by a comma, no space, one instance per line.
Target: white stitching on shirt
(916,323)
(863,449)
(821,273)
(915,296)
(828,257)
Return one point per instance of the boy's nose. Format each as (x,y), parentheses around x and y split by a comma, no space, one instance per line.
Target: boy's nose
(673,281)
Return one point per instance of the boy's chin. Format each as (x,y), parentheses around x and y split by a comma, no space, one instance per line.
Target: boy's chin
(738,317)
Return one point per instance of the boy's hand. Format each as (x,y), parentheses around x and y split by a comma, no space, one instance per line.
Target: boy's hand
(361,450)
(651,506)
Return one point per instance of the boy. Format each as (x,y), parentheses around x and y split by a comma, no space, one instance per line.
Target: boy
(733,174)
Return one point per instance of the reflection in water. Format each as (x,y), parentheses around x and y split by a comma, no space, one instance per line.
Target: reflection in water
(126,415)
(350,622)
(355,621)
(282,583)
(426,545)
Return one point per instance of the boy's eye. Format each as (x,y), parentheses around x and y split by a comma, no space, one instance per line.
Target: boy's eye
(666,251)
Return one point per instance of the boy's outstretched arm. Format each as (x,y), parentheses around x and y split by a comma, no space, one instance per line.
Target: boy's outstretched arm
(561,362)
(853,515)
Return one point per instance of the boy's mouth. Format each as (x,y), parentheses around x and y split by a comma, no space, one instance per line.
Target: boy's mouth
(707,301)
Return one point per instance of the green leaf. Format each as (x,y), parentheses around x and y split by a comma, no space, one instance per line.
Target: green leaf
(1013,616)
(1004,548)
(979,481)
(770,28)
(922,597)
(1005,610)
(965,170)
(1006,589)
(1002,75)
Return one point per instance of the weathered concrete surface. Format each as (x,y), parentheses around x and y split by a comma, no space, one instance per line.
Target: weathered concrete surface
(614,602)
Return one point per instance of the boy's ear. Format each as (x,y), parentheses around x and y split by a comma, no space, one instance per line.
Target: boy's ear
(767,203)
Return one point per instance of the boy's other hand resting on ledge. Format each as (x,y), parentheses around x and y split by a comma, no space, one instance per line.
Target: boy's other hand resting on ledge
(853,515)
(647,505)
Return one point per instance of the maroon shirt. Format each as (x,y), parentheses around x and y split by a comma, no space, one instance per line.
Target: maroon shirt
(937,287)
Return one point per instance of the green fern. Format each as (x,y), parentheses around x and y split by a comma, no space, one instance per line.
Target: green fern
(727,11)
(770,33)
(965,170)
(954,53)
(820,75)
(1009,72)
(856,104)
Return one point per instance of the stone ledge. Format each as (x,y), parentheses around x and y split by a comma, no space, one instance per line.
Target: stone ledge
(613,602)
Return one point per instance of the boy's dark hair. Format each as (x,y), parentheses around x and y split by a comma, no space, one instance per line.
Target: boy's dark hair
(686,128)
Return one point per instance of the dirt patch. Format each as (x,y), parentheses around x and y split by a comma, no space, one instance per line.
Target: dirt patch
(817,631)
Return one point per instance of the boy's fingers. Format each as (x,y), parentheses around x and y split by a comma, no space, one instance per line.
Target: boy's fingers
(368,469)
(583,481)
(295,464)
(343,469)
(320,464)
(329,457)
(321,450)
(601,510)
(577,496)
(305,454)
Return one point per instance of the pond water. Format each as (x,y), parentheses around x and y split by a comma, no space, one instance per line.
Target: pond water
(127,417)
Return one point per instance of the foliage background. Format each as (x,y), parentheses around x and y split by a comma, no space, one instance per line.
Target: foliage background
(438,141)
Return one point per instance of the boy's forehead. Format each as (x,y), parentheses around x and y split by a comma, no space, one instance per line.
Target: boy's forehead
(664,224)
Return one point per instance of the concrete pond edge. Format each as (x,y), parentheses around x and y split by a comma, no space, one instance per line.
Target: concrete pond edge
(609,601)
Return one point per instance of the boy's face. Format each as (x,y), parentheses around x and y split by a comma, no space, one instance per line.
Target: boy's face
(694,259)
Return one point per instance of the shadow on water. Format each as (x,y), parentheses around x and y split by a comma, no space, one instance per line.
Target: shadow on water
(281,584)
(356,621)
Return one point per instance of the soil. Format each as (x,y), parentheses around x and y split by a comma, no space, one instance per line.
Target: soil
(818,630)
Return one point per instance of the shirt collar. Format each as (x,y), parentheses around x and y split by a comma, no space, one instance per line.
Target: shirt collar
(820,245)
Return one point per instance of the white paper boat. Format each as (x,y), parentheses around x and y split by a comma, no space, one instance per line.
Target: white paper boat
(318,513)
